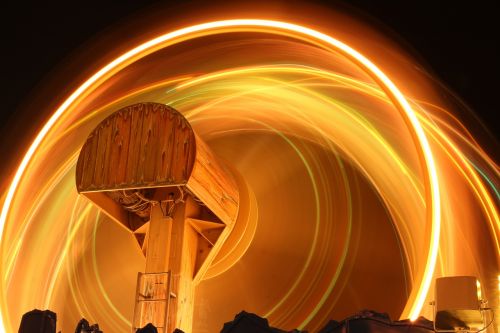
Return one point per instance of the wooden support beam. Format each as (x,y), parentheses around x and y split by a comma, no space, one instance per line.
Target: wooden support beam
(142,235)
(181,266)
(213,184)
(159,240)
(115,211)
(209,245)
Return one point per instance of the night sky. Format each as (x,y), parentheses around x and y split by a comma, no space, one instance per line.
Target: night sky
(458,42)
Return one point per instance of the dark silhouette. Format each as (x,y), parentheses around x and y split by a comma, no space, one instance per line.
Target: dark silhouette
(84,327)
(368,321)
(446,321)
(149,328)
(245,322)
(38,321)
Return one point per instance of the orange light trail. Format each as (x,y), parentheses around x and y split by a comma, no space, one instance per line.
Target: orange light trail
(421,129)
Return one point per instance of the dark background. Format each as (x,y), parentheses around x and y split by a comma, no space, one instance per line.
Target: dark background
(457,40)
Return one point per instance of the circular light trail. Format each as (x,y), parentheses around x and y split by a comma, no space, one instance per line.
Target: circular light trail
(428,165)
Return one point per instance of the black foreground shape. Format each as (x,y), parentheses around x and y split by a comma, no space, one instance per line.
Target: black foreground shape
(149,328)
(245,322)
(38,321)
(366,321)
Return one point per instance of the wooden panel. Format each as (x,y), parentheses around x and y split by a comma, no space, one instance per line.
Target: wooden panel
(165,146)
(142,145)
(148,149)
(119,148)
(86,161)
(136,116)
(213,184)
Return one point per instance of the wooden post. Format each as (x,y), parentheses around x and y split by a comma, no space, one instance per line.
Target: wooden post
(172,248)
(159,239)
(181,266)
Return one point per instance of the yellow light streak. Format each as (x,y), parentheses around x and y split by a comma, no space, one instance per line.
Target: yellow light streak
(415,123)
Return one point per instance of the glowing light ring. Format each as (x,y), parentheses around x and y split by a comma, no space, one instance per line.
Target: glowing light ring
(374,71)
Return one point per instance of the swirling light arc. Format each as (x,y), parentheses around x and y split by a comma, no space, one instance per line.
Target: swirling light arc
(419,293)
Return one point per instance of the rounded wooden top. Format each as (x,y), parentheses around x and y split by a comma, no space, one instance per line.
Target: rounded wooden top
(146,147)
(140,146)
